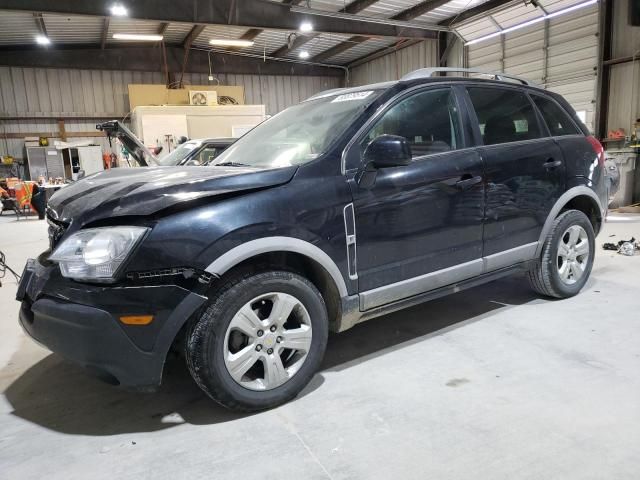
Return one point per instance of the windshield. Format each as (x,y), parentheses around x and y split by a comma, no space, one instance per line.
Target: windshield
(298,134)
(179,154)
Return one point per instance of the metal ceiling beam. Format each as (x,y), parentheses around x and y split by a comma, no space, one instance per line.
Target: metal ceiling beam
(105,32)
(163,28)
(186,45)
(247,13)
(474,12)
(340,48)
(37,16)
(352,8)
(405,15)
(194,33)
(383,51)
(147,58)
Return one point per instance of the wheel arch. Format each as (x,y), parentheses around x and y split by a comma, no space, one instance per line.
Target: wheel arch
(579,198)
(294,254)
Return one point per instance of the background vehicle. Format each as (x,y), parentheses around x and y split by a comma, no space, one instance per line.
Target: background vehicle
(353,204)
(191,152)
(196,152)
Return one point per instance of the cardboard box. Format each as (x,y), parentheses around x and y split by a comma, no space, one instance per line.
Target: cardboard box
(141,95)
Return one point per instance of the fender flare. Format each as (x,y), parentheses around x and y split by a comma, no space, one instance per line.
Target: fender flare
(278,244)
(565,198)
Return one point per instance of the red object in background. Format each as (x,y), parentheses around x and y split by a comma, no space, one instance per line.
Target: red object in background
(106,161)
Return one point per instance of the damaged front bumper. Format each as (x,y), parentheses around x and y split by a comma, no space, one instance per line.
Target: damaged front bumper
(82,322)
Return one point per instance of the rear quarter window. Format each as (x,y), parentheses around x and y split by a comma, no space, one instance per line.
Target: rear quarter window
(555,117)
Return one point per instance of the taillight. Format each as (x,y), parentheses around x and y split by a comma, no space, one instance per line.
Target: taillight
(597,147)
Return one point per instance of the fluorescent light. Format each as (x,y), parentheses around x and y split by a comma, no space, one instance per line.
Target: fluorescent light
(42,40)
(531,22)
(118,10)
(137,37)
(303,54)
(306,27)
(228,42)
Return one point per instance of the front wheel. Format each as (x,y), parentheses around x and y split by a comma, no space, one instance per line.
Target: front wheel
(567,257)
(260,340)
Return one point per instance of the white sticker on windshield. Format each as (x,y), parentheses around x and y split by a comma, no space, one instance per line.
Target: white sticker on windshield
(346,97)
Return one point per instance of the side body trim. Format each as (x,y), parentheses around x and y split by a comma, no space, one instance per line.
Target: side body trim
(509,257)
(565,198)
(350,234)
(414,286)
(278,244)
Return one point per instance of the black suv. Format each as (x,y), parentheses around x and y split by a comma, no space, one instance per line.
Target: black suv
(353,204)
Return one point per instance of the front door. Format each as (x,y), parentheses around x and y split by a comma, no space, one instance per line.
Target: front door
(525,173)
(421,218)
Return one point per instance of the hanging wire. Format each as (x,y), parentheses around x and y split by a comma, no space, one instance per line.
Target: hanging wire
(4,267)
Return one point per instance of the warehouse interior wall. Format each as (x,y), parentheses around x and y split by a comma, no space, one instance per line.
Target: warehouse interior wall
(624,86)
(396,64)
(33,100)
(560,54)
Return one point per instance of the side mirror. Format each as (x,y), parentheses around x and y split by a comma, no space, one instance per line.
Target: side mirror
(388,151)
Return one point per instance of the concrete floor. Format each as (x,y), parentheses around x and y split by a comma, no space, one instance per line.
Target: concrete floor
(491,383)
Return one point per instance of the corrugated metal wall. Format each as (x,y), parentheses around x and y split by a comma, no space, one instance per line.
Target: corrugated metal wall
(624,93)
(394,65)
(30,92)
(560,54)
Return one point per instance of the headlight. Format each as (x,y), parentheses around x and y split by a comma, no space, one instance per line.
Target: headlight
(96,253)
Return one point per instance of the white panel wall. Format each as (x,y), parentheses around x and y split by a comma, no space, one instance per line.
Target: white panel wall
(394,65)
(63,93)
(624,90)
(566,66)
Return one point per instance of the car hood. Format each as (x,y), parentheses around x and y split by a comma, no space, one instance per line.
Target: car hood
(144,191)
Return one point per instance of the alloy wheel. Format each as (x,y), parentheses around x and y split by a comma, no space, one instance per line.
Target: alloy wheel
(573,254)
(267,341)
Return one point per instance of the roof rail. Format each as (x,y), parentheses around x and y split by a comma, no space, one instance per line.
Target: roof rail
(431,71)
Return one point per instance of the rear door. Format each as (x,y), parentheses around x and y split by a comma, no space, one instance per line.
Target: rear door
(524,170)
(424,217)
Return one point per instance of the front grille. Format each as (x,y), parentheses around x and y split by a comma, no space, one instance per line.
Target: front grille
(56,231)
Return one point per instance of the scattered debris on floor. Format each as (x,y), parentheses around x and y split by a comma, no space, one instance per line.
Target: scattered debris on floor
(623,247)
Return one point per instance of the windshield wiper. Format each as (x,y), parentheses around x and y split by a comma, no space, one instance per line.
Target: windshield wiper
(230,164)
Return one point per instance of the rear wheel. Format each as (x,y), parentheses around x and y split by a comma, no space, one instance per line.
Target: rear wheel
(567,257)
(260,340)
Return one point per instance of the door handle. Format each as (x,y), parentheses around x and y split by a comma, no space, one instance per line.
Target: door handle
(467,181)
(551,163)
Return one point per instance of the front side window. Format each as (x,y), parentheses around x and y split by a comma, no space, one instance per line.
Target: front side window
(428,120)
(504,115)
(556,119)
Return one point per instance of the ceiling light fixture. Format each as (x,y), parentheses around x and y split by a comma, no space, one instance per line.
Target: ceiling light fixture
(42,40)
(118,10)
(137,37)
(531,22)
(303,54)
(227,42)
(306,27)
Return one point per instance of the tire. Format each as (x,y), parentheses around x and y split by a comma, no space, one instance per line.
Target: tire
(217,342)
(562,271)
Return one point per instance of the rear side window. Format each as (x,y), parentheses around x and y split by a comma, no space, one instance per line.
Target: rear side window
(504,115)
(555,117)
